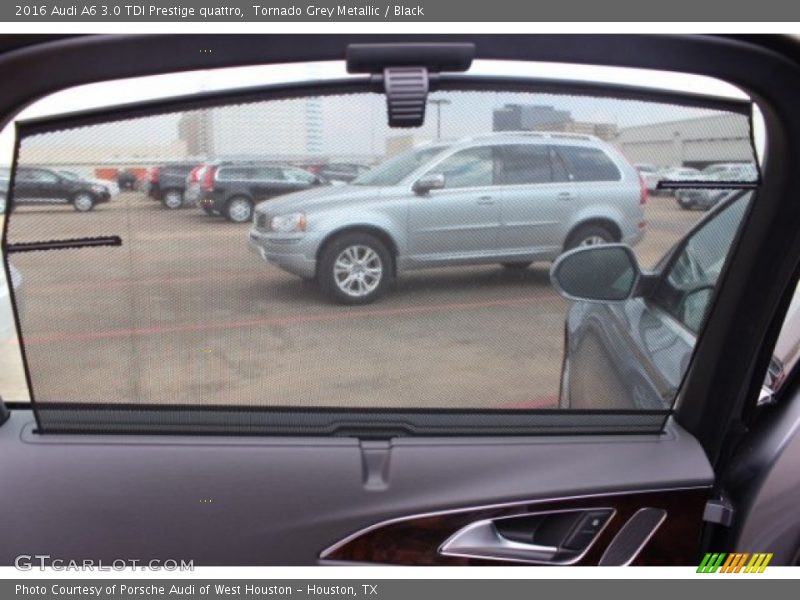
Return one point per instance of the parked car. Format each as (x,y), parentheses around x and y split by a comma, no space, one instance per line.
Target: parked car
(112,186)
(194,187)
(639,329)
(680,174)
(232,189)
(47,186)
(342,172)
(699,198)
(705,199)
(500,198)
(650,174)
(127,180)
(7,327)
(730,172)
(167,183)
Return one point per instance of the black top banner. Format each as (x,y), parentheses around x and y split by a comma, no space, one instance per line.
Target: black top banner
(422,11)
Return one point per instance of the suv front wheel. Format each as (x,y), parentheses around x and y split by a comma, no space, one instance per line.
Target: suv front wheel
(354,269)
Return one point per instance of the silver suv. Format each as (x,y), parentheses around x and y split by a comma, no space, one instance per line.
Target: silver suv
(508,198)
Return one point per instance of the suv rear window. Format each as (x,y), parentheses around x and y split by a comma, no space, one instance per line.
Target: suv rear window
(588,164)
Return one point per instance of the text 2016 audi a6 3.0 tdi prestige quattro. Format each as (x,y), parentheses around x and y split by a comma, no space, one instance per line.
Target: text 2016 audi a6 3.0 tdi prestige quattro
(501,198)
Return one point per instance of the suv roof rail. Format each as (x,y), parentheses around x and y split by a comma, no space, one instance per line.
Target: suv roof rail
(536,134)
(574,136)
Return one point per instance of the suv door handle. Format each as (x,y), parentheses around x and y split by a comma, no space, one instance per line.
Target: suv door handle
(556,538)
(565,196)
(485,200)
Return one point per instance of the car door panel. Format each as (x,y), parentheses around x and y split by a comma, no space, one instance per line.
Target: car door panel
(643,356)
(538,201)
(51,189)
(24,187)
(248,501)
(37,187)
(462,221)
(535,218)
(447,226)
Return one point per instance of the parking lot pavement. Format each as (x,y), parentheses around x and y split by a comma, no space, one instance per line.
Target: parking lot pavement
(183,313)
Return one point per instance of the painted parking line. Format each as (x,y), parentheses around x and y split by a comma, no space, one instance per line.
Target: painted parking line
(287,320)
(47,288)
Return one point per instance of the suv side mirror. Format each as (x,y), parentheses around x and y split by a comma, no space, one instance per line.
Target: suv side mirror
(603,273)
(426,183)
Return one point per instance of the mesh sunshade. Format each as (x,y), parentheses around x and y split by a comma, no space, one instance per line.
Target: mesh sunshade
(173,314)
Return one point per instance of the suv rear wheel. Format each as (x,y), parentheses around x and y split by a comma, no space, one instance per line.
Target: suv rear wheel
(83,202)
(239,209)
(589,235)
(172,199)
(354,269)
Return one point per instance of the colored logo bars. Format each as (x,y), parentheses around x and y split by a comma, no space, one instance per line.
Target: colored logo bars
(734,563)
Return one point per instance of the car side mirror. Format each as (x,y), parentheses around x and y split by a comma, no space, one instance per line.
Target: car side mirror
(426,183)
(602,273)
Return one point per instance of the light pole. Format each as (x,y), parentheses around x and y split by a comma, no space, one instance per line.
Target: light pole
(438,102)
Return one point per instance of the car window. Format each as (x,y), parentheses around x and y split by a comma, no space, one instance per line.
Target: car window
(235,173)
(687,287)
(266,173)
(380,303)
(473,167)
(38,176)
(397,168)
(588,164)
(523,163)
(298,175)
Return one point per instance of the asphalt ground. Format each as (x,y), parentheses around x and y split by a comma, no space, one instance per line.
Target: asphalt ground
(183,313)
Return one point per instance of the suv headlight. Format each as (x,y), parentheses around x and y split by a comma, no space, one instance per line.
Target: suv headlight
(289,223)
(99,189)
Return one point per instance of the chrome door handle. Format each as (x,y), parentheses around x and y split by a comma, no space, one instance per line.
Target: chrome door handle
(485,200)
(565,196)
(482,540)
(554,538)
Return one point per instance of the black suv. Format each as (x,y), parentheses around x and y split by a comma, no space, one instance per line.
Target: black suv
(233,189)
(168,183)
(45,186)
